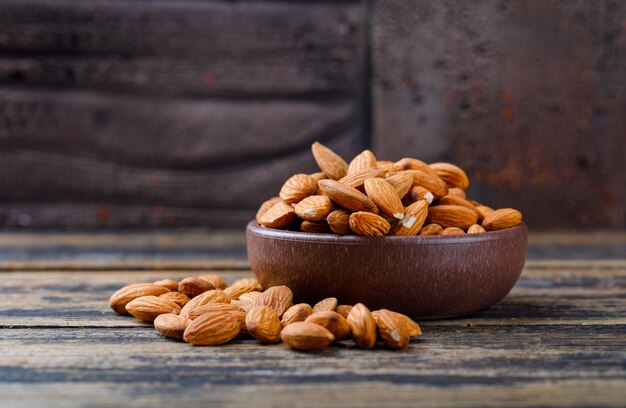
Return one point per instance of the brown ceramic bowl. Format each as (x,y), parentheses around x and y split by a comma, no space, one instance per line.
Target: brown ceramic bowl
(426,277)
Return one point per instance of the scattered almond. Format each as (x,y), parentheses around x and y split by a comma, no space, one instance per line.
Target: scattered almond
(329,162)
(280,215)
(328,304)
(316,227)
(194,286)
(296,313)
(171,325)
(277,297)
(306,336)
(452,216)
(362,326)
(343,310)
(297,188)
(347,197)
(452,231)
(401,183)
(434,184)
(147,308)
(216,281)
(501,219)
(431,229)
(212,329)
(333,322)
(210,296)
(391,329)
(122,297)
(241,286)
(475,229)
(356,180)
(384,196)
(263,324)
(339,222)
(413,219)
(313,208)
(453,175)
(369,224)
(176,297)
(168,283)
(362,161)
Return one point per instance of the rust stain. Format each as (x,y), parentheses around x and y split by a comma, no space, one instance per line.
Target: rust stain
(507,113)
(506,96)
(208,79)
(103,214)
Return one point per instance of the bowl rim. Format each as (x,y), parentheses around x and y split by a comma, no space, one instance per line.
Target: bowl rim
(323,238)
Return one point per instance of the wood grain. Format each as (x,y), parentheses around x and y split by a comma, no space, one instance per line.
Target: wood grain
(201,48)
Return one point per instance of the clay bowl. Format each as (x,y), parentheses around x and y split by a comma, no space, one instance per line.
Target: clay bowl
(426,277)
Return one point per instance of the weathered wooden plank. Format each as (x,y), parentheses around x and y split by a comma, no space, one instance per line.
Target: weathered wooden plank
(545,296)
(490,361)
(528,97)
(191,48)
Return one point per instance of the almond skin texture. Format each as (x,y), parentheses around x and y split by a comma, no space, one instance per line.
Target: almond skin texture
(455,191)
(452,231)
(263,324)
(172,285)
(384,196)
(266,206)
(483,211)
(171,325)
(356,180)
(347,197)
(361,161)
(213,307)
(328,304)
(123,296)
(250,296)
(414,217)
(369,224)
(502,219)
(391,329)
(214,280)
(434,184)
(329,162)
(410,326)
(343,310)
(176,297)
(194,286)
(456,200)
(453,175)
(296,313)
(316,227)
(277,297)
(333,322)
(211,329)
(313,208)
(409,163)
(297,188)
(401,183)
(241,286)
(281,215)
(362,326)
(147,308)
(475,229)
(306,336)
(339,222)
(387,165)
(431,229)
(210,296)
(420,193)
(452,216)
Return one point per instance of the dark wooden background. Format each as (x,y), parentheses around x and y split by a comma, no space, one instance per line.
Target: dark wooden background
(121,113)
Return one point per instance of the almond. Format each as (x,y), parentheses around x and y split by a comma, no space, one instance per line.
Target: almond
(176,297)
(483,211)
(347,197)
(391,329)
(410,326)
(329,162)
(250,296)
(171,325)
(356,180)
(313,208)
(475,229)
(333,322)
(409,163)
(362,326)
(420,193)
(453,175)
(241,286)
(413,219)
(212,307)
(456,200)
(328,304)
(318,176)
(387,165)
(434,184)
(339,222)
(216,281)
(277,297)
(401,183)
(246,306)
(266,206)
(452,231)
(343,310)
(263,324)
(452,216)
(369,224)
(384,196)
(306,336)
(280,215)
(363,160)
(316,227)
(212,329)
(296,313)
(123,296)
(147,308)
(501,219)
(210,296)
(168,283)
(297,188)
(431,229)
(455,191)
(194,286)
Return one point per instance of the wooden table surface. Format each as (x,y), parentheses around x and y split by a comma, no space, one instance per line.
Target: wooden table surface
(559,338)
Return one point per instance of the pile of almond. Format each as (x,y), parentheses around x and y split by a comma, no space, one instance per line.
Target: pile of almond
(204,311)
(376,198)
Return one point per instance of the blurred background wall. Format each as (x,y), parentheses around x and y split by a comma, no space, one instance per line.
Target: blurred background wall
(124,113)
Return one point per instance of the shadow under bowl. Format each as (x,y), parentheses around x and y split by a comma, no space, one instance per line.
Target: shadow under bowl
(425,277)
